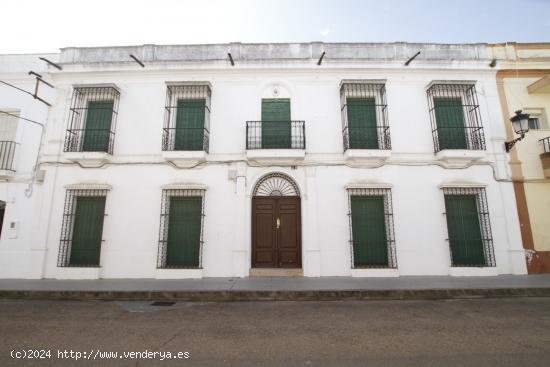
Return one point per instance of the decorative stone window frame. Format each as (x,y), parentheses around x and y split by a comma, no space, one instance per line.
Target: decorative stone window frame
(385,192)
(82,95)
(178,190)
(73,192)
(483,216)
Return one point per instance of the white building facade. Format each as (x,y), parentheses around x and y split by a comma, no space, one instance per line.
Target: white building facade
(226,160)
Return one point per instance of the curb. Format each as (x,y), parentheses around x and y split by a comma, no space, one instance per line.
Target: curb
(279,295)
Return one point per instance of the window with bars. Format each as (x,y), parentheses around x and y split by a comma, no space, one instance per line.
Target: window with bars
(181,229)
(8,132)
(469,227)
(372,239)
(187,118)
(455,117)
(82,228)
(364,116)
(92,119)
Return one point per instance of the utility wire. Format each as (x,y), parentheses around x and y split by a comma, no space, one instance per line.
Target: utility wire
(13,86)
(23,118)
(35,96)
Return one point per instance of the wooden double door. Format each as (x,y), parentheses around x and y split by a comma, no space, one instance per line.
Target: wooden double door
(276,232)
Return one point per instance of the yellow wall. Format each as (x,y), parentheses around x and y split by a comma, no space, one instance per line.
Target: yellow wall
(538,202)
(516,57)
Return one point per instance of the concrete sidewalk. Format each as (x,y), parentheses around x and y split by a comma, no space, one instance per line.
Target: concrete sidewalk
(280,288)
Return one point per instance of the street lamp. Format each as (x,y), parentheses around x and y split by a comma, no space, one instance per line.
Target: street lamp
(520,123)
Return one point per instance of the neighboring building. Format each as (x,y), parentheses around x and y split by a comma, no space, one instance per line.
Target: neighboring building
(523,83)
(230,159)
(19,149)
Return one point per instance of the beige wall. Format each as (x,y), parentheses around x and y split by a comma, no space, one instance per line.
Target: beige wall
(522,65)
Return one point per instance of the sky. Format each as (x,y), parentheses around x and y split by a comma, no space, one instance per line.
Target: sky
(32,26)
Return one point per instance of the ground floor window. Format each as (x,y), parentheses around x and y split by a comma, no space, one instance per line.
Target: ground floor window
(371,228)
(82,228)
(181,224)
(469,228)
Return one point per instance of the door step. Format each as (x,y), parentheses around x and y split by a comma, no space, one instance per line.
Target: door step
(276,272)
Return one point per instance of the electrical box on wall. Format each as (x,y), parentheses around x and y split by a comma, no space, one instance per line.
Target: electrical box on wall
(12,229)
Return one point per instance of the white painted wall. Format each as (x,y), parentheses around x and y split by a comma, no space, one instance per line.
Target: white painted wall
(16,247)
(131,228)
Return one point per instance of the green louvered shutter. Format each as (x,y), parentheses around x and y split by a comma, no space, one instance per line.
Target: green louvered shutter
(369,231)
(190,124)
(87,231)
(98,126)
(276,125)
(449,115)
(362,128)
(464,230)
(184,232)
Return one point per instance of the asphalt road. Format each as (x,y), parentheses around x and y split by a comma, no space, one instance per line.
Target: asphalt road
(480,332)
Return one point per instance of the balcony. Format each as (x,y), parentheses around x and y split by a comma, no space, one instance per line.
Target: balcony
(367,146)
(185,147)
(7,154)
(281,142)
(458,147)
(545,156)
(89,147)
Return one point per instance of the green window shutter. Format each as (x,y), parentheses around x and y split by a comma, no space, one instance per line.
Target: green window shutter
(370,247)
(276,124)
(449,116)
(87,231)
(362,125)
(190,124)
(464,230)
(98,126)
(184,232)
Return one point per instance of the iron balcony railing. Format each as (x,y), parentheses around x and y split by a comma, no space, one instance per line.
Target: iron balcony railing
(89,140)
(189,138)
(7,153)
(376,137)
(467,137)
(275,135)
(545,145)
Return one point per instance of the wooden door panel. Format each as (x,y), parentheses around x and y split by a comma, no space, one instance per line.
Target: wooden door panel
(263,233)
(289,234)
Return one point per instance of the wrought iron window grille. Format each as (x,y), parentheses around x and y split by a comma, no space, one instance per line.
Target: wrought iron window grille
(92,119)
(168,194)
(484,222)
(7,154)
(455,117)
(281,134)
(385,193)
(191,130)
(364,116)
(545,142)
(67,227)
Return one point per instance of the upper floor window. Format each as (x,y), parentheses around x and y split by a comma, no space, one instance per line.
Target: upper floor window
(92,121)
(455,116)
(537,118)
(8,132)
(364,117)
(187,117)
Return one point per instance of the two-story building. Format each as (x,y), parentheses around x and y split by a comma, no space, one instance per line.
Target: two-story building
(22,118)
(232,160)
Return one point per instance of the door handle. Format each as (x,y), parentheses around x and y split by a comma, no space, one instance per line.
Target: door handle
(278,223)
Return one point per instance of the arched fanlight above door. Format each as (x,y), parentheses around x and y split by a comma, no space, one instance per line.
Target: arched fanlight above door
(276,184)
